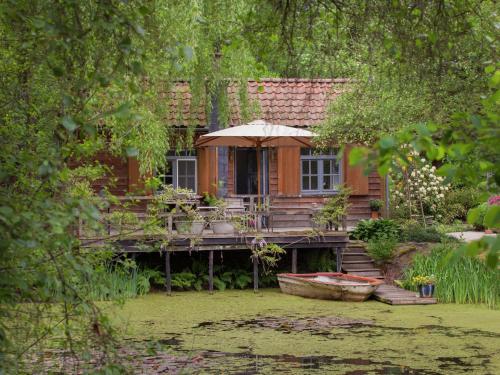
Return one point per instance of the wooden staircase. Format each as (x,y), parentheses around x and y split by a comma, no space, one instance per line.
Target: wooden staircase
(357,262)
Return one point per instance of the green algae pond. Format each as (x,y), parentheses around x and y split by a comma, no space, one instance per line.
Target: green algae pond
(240,332)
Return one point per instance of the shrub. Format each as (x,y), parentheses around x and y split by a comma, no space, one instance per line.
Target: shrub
(478,222)
(371,229)
(458,202)
(334,210)
(414,231)
(382,248)
(461,280)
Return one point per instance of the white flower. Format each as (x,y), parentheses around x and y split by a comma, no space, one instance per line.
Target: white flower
(422,160)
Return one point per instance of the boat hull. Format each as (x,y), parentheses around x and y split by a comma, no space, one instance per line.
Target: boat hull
(345,288)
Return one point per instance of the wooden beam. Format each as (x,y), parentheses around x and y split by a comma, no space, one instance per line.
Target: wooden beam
(294,260)
(255,273)
(168,275)
(211,271)
(338,251)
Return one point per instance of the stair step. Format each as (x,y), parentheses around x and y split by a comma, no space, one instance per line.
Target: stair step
(358,266)
(356,258)
(367,273)
(349,268)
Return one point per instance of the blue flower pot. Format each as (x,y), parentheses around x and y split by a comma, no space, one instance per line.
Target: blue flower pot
(426,291)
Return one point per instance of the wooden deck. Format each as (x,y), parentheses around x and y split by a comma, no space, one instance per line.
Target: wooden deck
(292,240)
(397,296)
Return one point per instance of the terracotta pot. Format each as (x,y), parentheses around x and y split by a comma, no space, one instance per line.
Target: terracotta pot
(375,215)
(488,231)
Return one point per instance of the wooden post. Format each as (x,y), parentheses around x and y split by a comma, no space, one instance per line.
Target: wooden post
(169,223)
(338,251)
(168,275)
(294,260)
(255,273)
(211,271)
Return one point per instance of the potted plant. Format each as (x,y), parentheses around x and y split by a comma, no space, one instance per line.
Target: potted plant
(191,222)
(425,285)
(375,206)
(332,214)
(219,220)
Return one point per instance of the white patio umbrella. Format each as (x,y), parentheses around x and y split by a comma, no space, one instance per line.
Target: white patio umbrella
(258,134)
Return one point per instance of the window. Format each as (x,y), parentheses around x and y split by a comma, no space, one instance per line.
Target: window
(320,172)
(180,170)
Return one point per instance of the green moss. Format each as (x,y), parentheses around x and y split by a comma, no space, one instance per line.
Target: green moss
(436,338)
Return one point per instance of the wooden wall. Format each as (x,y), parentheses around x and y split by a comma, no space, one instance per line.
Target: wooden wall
(116,178)
(284,179)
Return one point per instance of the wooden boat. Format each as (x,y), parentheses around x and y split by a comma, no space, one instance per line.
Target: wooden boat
(328,285)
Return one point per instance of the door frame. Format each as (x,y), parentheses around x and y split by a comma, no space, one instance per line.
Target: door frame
(264,169)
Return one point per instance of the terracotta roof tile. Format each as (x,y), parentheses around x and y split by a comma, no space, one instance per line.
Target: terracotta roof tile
(292,102)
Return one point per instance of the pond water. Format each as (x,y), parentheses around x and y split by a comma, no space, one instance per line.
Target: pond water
(239,332)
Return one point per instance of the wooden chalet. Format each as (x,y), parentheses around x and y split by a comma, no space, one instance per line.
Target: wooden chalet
(294,178)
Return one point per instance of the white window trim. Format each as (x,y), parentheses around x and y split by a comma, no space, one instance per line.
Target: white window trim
(320,173)
(175,168)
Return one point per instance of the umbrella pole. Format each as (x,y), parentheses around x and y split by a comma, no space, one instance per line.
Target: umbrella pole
(258,175)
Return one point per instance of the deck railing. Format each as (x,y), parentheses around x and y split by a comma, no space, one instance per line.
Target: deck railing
(129,214)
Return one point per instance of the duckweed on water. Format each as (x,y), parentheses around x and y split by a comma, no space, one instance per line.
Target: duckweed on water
(246,333)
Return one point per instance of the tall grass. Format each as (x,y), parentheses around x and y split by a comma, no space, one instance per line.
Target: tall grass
(466,280)
(117,282)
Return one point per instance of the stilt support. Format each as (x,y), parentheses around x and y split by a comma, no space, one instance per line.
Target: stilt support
(168,274)
(294,260)
(255,274)
(338,251)
(211,271)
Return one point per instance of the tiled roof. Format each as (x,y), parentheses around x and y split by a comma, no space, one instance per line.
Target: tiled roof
(291,102)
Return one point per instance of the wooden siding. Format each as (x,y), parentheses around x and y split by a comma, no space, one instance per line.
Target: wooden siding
(284,180)
(354,177)
(207,170)
(273,171)
(116,178)
(288,170)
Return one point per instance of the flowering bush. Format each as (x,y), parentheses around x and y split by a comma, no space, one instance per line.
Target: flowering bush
(418,190)
(423,280)
(494,200)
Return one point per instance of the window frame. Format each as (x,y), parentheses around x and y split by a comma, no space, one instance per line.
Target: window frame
(174,159)
(320,159)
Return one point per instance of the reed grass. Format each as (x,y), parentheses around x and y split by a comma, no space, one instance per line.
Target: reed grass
(116,282)
(465,280)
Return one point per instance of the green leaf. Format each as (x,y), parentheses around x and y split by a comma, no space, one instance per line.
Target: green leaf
(473,215)
(69,124)
(432,37)
(188,52)
(139,30)
(492,217)
(387,143)
(357,155)
(489,69)
(495,80)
